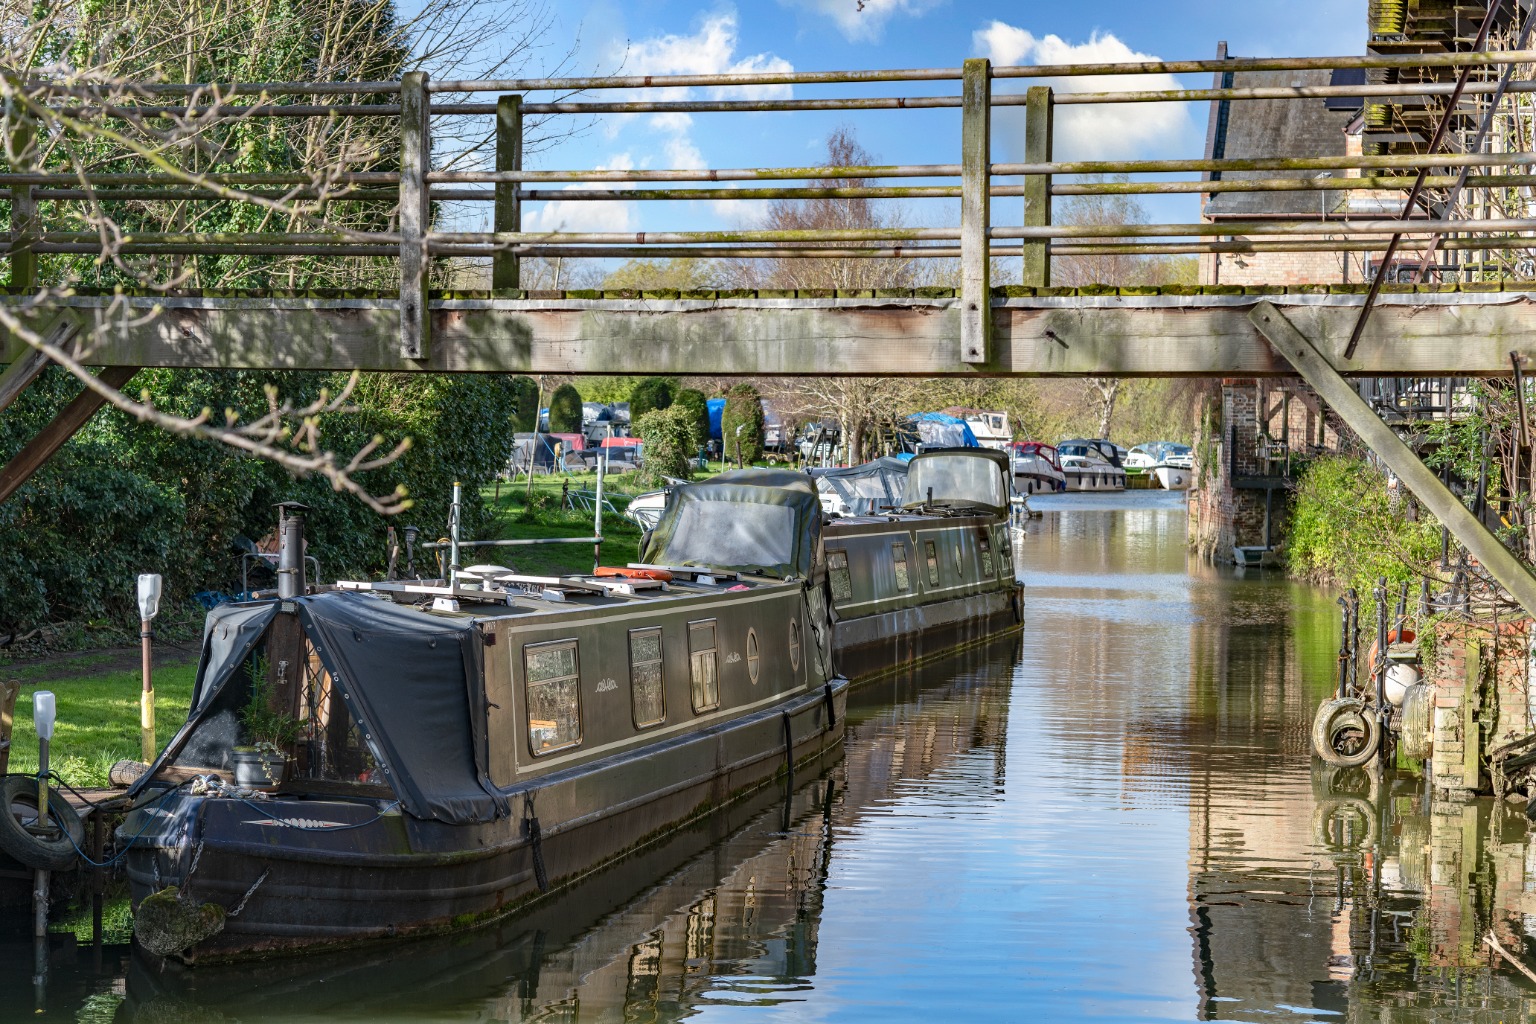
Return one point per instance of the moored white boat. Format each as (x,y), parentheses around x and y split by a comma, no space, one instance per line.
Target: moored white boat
(1035,468)
(1091,465)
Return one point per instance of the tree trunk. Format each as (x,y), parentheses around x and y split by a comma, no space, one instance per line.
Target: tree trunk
(1107,395)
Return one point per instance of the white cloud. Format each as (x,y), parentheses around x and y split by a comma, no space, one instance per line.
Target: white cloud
(586,214)
(863,21)
(1089,132)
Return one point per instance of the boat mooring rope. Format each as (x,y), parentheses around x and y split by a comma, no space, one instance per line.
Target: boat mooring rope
(535,837)
(789,750)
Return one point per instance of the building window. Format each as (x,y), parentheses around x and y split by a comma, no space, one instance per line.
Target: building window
(899,563)
(986,554)
(933,562)
(754,658)
(837,570)
(553,676)
(794,644)
(703,665)
(647,692)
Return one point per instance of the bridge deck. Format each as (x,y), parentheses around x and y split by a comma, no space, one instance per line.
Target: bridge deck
(1144,331)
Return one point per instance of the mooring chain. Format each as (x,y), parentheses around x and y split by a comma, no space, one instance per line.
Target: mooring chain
(534,834)
(249,893)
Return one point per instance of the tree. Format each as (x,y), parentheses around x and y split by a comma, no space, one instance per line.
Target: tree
(668,438)
(838,213)
(525,392)
(650,394)
(565,410)
(741,426)
(697,405)
(687,273)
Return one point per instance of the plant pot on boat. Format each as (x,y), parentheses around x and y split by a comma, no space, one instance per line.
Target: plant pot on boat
(262,761)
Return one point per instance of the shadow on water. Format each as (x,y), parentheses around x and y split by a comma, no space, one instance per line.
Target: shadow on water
(1116,818)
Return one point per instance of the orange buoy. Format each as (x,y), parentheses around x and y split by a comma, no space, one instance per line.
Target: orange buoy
(1394,636)
(633,574)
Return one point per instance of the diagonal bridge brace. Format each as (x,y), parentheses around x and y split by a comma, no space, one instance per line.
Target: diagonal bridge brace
(1319,372)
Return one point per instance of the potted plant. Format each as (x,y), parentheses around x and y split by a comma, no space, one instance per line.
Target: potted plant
(270,734)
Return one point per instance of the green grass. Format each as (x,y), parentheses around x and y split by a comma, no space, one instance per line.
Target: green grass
(517,518)
(98,721)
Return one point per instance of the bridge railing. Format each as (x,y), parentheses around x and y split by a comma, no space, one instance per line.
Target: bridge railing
(404,185)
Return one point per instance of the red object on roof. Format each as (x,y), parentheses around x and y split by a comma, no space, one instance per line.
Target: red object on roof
(572,442)
(621,442)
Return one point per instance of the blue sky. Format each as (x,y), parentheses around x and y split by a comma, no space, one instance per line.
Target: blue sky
(686,36)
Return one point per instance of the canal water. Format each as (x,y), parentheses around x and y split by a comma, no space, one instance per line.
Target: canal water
(1114,817)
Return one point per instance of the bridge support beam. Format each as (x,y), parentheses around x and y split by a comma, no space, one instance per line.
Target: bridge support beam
(505,267)
(64,426)
(415,215)
(1318,371)
(976,212)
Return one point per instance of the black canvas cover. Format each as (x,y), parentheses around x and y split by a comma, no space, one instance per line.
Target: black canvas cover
(762,521)
(415,680)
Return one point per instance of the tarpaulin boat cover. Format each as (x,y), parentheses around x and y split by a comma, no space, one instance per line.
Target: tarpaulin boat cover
(761,521)
(959,477)
(412,680)
(867,488)
(941,430)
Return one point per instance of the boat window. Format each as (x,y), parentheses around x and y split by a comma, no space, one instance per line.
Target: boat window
(794,644)
(1005,549)
(959,560)
(553,684)
(899,563)
(933,563)
(754,657)
(703,665)
(645,677)
(837,570)
(986,554)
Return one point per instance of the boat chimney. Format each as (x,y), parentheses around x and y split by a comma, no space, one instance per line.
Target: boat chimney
(290,550)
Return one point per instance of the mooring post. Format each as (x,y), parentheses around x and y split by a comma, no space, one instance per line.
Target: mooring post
(415,213)
(505,265)
(976,211)
(1038,114)
(1332,388)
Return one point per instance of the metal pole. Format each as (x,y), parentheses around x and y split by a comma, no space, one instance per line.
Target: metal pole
(147,744)
(597,512)
(453,533)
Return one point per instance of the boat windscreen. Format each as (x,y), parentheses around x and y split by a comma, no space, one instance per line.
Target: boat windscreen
(970,476)
(755,521)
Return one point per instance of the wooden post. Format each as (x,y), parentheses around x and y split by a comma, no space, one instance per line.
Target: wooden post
(1471,703)
(415,212)
(975,212)
(509,208)
(1339,393)
(1038,114)
(23,208)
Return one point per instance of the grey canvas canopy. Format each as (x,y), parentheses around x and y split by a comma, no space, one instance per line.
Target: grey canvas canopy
(763,521)
(411,680)
(867,488)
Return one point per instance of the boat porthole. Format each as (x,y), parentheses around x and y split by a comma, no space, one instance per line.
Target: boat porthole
(752,654)
(794,644)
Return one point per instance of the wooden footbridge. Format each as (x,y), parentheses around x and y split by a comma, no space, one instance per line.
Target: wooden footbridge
(1440,167)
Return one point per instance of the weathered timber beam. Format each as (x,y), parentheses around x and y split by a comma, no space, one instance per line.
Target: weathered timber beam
(63,427)
(1318,371)
(28,362)
(1466,334)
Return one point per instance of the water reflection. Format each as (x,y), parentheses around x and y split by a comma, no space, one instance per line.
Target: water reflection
(1117,818)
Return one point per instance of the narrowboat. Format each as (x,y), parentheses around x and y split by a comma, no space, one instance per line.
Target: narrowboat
(454,749)
(1091,464)
(929,577)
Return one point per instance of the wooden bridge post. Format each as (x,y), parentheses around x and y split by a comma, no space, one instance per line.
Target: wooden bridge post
(415,214)
(1339,393)
(975,211)
(23,208)
(1038,131)
(505,266)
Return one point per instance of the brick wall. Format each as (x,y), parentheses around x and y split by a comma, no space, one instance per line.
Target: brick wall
(1491,711)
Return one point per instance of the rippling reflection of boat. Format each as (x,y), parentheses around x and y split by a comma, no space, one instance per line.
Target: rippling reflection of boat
(726,909)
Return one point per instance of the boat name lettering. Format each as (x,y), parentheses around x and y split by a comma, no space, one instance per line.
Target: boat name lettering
(733,658)
(604,686)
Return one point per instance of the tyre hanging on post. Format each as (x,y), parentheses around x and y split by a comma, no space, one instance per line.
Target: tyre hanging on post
(1345,732)
(52,848)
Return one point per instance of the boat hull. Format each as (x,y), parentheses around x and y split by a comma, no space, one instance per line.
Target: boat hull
(395,876)
(1173,478)
(1105,478)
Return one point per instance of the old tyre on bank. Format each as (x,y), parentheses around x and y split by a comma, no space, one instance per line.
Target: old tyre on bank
(1345,733)
(54,851)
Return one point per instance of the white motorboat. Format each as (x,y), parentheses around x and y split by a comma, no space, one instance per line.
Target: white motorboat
(1091,464)
(1035,468)
(1169,464)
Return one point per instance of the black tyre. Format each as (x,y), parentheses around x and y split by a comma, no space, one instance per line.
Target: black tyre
(1344,824)
(18,809)
(1345,732)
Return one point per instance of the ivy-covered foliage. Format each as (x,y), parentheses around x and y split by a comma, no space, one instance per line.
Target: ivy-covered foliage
(123,498)
(697,405)
(565,410)
(744,410)
(650,394)
(668,437)
(1348,530)
(525,392)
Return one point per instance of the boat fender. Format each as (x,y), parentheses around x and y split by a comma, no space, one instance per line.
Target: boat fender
(535,837)
(1018,605)
(56,852)
(826,695)
(789,750)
